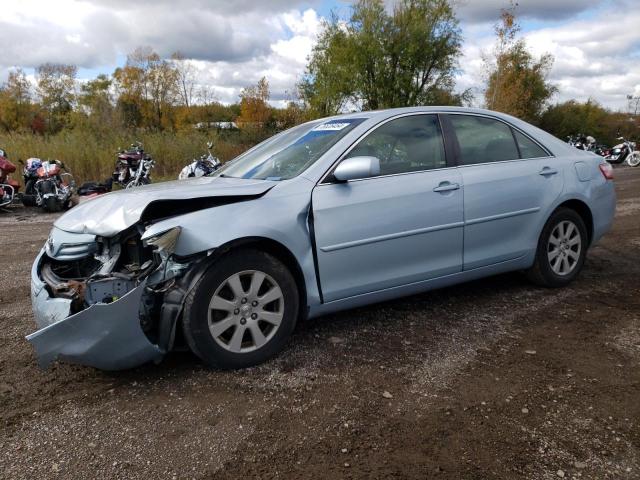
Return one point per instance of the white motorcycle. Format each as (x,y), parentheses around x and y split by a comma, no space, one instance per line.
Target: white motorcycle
(202,167)
(625,151)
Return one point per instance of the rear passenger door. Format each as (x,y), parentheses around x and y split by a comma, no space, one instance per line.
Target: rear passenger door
(510,182)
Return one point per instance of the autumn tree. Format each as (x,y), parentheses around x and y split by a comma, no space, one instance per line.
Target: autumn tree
(255,111)
(186,78)
(290,116)
(517,81)
(377,59)
(95,101)
(15,101)
(56,88)
(147,89)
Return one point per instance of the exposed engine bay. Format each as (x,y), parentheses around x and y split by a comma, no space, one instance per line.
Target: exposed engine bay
(106,269)
(113,267)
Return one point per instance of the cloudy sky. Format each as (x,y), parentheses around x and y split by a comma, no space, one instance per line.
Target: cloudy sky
(596,43)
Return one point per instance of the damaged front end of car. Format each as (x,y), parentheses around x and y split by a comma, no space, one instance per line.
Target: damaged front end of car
(110,303)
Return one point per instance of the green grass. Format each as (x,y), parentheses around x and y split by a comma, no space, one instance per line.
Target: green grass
(91,157)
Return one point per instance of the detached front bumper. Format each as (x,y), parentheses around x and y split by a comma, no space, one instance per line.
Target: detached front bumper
(104,336)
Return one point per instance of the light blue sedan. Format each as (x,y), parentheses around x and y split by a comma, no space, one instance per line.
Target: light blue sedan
(329,215)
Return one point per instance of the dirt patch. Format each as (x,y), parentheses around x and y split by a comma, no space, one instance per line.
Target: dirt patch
(491,379)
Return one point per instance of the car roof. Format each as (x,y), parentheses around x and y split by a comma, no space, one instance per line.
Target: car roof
(554,144)
(389,112)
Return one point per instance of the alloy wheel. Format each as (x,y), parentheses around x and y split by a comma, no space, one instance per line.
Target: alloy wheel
(564,248)
(245,311)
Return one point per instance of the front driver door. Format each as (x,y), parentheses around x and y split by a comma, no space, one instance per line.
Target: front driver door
(403,226)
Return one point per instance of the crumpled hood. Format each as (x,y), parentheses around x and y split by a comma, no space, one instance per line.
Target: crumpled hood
(112,213)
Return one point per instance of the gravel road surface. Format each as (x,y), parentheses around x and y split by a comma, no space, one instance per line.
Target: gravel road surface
(491,379)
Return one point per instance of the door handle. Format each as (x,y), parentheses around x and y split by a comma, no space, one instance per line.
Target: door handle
(446,187)
(547,171)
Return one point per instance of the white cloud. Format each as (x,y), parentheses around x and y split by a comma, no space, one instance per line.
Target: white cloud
(593,56)
(234,44)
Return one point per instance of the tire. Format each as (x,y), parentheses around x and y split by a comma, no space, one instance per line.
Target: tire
(563,239)
(633,160)
(140,183)
(49,204)
(29,196)
(219,321)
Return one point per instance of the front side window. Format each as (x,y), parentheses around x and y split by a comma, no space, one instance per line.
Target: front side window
(483,140)
(291,152)
(407,144)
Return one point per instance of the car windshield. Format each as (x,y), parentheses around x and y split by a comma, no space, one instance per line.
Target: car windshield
(289,153)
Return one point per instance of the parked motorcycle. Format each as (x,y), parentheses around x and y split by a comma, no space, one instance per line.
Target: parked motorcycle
(8,187)
(202,167)
(133,167)
(582,142)
(53,188)
(601,150)
(624,151)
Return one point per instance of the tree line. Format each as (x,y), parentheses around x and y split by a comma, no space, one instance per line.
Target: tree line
(376,58)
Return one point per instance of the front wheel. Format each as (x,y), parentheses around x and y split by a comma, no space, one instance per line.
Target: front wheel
(561,251)
(242,311)
(138,183)
(51,205)
(633,160)
(50,202)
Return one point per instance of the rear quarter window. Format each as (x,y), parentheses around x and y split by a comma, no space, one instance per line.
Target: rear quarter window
(529,148)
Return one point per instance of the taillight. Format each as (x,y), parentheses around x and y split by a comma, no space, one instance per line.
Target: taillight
(607,170)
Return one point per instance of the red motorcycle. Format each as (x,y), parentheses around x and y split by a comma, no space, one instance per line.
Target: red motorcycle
(54,188)
(8,187)
(133,167)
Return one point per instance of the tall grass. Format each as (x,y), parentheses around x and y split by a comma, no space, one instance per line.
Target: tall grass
(91,156)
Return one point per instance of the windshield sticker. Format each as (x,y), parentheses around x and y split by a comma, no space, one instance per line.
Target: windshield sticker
(325,127)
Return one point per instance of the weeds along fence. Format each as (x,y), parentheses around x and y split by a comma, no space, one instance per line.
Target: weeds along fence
(91,157)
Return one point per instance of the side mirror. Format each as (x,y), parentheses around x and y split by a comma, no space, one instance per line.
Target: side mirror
(357,167)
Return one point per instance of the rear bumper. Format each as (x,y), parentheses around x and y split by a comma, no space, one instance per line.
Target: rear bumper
(603,209)
(104,336)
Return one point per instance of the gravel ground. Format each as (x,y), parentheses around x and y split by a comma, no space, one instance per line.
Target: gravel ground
(491,379)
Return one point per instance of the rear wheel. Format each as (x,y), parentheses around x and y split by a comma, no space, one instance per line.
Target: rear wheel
(561,251)
(242,311)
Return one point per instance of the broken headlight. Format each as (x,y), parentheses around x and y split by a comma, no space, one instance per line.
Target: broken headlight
(166,241)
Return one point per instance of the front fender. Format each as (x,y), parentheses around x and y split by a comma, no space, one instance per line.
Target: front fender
(283,219)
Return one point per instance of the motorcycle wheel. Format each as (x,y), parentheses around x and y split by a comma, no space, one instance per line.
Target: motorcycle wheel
(139,183)
(29,196)
(633,160)
(51,203)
